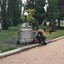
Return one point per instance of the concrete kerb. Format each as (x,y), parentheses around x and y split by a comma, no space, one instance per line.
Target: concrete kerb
(25,48)
(17,50)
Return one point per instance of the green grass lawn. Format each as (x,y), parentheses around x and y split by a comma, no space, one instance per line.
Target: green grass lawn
(56,34)
(4,48)
(12,33)
(6,35)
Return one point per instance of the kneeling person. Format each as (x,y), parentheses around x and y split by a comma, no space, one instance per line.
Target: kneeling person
(41,36)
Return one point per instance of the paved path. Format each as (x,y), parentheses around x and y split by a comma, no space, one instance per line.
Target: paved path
(53,53)
(13,43)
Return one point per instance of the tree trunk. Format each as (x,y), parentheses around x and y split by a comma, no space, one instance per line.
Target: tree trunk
(4,15)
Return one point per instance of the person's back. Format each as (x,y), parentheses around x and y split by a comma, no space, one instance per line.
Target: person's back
(41,36)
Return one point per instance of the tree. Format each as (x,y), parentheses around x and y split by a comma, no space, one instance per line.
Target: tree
(30,19)
(52,11)
(10,13)
(14,11)
(40,12)
(4,14)
(30,4)
(38,6)
(61,10)
(17,12)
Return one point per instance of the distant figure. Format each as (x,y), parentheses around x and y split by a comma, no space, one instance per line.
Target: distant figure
(41,36)
(51,28)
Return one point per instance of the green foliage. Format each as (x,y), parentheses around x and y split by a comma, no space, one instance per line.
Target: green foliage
(52,11)
(61,8)
(10,12)
(38,6)
(31,4)
(40,13)
(23,18)
(4,14)
(30,17)
(14,11)
(31,12)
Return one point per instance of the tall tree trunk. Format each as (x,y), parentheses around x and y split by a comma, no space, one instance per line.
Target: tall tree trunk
(10,12)
(4,15)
